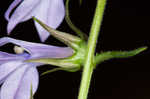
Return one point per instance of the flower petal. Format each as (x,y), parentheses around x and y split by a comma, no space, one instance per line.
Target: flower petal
(23,10)
(6,57)
(38,50)
(52,13)
(7,68)
(31,78)
(18,84)
(11,7)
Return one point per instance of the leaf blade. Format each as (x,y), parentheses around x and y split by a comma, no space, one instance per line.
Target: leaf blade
(117,54)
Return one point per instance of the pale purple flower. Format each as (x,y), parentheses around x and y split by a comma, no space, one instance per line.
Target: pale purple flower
(51,12)
(16,75)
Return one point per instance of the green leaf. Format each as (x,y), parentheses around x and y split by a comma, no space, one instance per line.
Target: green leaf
(31,93)
(117,54)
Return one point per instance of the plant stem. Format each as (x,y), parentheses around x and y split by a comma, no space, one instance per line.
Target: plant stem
(88,65)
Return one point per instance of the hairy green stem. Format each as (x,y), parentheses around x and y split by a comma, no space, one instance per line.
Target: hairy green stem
(88,65)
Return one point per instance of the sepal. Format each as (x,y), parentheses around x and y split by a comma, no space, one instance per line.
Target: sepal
(63,69)
(68,39)
(71,64)
(71,24)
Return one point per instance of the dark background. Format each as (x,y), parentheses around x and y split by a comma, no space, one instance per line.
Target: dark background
(125,27)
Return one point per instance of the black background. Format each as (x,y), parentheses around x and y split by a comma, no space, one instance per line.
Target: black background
(125,27)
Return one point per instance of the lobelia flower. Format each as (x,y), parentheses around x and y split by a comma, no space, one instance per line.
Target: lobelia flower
(16,75)
(50,12)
